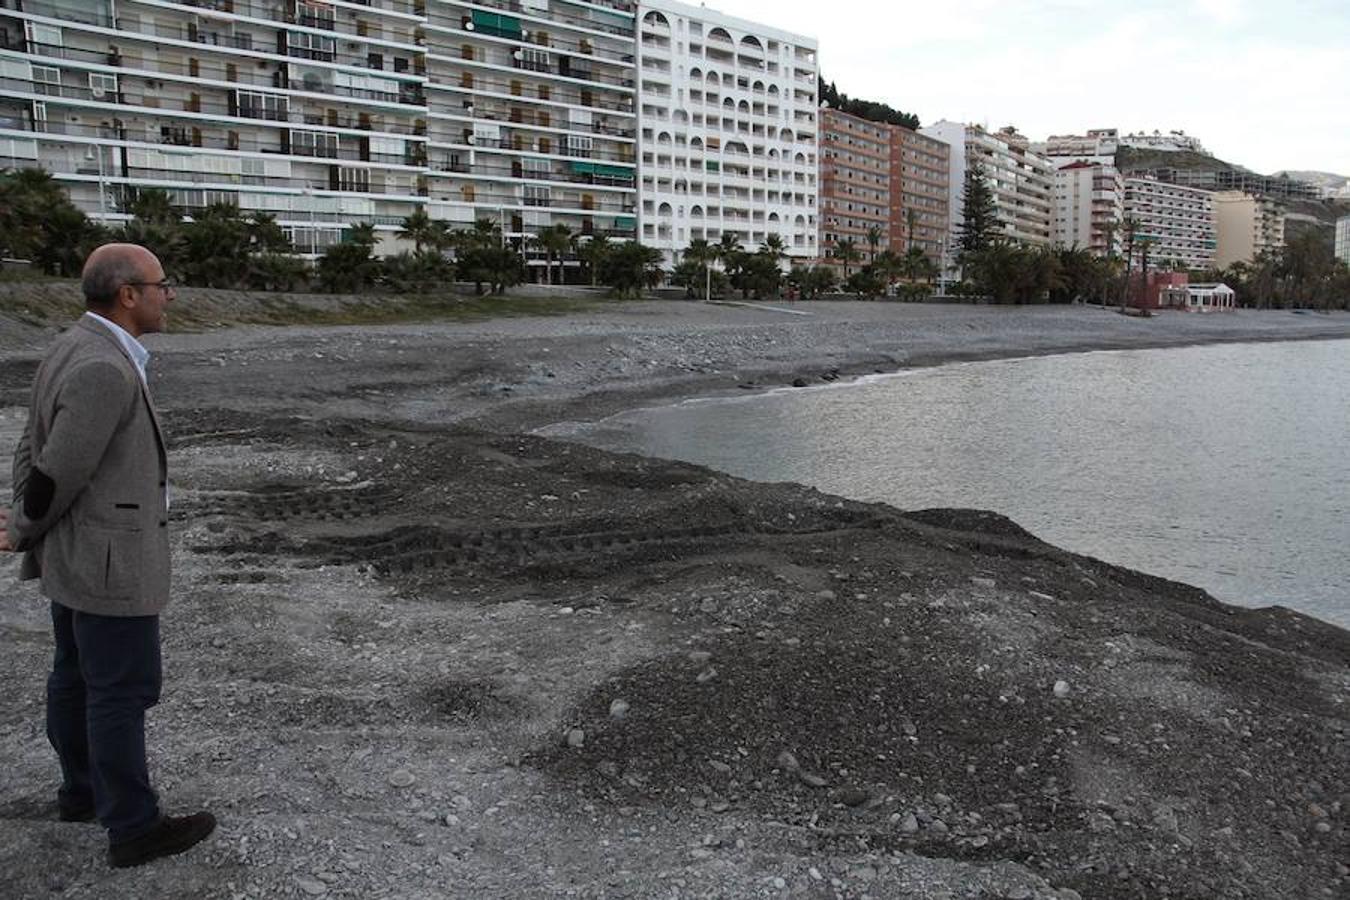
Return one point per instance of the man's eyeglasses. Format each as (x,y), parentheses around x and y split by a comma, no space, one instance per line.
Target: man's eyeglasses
(165,285)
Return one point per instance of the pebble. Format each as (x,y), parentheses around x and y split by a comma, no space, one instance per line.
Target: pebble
(815,873)
(706,675)
(811,780)
(401,778)
(699,657)
(787,761)
(1021,892)
(708,605)
(1061,689)
(983,582)
(853,796)
(576,738)
(909,824)
(825,595)
(311,887)
(618,709)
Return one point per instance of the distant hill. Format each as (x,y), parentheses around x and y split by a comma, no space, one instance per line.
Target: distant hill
(1329,181)
(1315,213)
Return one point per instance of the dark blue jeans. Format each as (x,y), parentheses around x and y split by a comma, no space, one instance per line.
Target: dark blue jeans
(105,675)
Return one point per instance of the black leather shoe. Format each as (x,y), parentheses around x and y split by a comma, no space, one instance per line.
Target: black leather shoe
(75,813)
(172,835)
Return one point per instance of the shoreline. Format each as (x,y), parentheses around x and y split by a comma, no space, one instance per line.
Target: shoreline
(850,375)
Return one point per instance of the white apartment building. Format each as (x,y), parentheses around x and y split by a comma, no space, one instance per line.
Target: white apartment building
(1020,179)
(1176,222)
(1246,226)
(1172,141)
(1343,239)
(728,124)
(1099,145)
(330,112)
(1089,206)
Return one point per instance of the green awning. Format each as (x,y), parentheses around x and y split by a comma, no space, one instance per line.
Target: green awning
(589,168)
(496,24)
(625,222)
(714,166)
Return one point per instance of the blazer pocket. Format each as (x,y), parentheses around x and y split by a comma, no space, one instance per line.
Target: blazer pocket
(122,563)
(109,560)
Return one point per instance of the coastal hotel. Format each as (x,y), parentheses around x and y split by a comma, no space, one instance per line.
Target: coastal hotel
(326,113)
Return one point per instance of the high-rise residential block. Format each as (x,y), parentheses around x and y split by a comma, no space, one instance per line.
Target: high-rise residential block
(331,113)
(532,109)
(1019,178)
(729,132)
(1089,206)
(1246,226)
(855,185)
(920,169)
(1343,239)
(314,112)
(1176,223)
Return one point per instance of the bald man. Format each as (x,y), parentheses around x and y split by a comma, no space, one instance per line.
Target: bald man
(90,514)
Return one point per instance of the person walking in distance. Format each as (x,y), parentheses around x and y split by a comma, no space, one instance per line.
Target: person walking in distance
(90,514)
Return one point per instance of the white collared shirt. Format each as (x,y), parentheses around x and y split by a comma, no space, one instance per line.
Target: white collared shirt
(139,355)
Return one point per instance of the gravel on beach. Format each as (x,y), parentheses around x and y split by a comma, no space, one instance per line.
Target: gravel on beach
(418,651)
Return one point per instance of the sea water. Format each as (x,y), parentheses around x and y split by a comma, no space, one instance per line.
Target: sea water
(1224,466)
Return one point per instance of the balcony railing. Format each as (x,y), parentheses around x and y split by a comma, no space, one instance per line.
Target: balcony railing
(184,135)
(517,171)
(197,104)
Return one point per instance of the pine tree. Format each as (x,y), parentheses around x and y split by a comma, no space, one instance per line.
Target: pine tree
(979,224)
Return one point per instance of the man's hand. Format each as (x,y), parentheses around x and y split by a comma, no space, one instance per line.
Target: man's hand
(5,545)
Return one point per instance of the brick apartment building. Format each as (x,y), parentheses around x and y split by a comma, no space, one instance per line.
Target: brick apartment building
(885,177)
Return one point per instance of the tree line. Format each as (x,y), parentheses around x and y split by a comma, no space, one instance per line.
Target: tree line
(222,247)
(870,110)
(1302,273)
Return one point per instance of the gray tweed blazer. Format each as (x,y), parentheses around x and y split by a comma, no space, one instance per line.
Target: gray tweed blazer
(90,472)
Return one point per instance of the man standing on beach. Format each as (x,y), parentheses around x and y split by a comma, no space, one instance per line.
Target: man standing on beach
(90,513)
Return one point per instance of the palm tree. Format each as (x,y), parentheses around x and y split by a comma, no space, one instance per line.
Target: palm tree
(702,254)
(555,240)
(419,228)
(874,235)
(593,253)
(1130,228)
(846,252)
(773,245)
(362,233)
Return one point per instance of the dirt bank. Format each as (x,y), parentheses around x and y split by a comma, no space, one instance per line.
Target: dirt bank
(416,652)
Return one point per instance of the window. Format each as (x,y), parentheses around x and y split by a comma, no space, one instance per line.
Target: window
(252,170)
(578,145)
(102,86)
(534,60)
(47,80)
(536,195)
(316,15)
(257,105)
(534,167)
(353,179)
(314,143)
(311,46)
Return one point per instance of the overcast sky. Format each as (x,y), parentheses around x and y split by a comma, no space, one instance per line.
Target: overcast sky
(1261,83)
